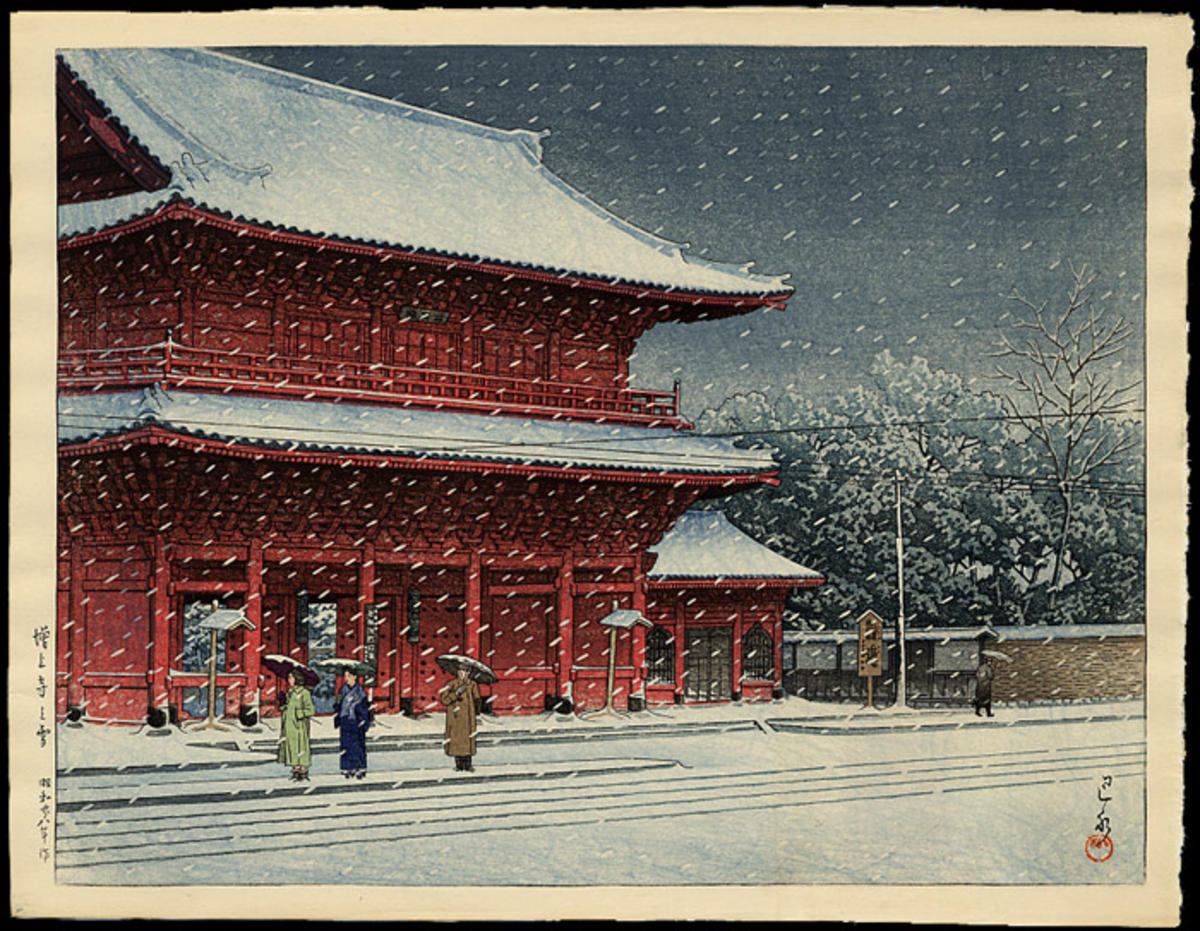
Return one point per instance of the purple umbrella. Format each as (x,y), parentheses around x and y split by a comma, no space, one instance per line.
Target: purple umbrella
(282,665)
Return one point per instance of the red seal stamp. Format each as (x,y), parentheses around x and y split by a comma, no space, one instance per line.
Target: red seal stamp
(1099,847)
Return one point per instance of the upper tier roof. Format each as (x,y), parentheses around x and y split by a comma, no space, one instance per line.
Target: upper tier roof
(279,150)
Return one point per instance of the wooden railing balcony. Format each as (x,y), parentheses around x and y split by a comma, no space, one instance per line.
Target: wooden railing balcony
(170,364)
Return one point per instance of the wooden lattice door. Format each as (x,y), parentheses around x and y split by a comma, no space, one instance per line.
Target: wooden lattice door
(708,664)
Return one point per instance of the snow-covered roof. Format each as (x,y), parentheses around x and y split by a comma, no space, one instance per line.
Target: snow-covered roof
(1002,633)
(842,635)
(290,425)
(705,545)
(277,149)
(625,618)
(226,619)
(1068,631)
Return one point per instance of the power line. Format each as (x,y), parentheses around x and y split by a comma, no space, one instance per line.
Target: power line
(820,471)
(818,428)
(814,428)
(1049,481)
(477,445)
(1031,484)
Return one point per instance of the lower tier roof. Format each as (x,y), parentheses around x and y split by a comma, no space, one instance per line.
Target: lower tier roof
(324,426)
(705,546)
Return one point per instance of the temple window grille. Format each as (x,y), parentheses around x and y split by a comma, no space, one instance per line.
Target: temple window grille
(758,659)
(660,656)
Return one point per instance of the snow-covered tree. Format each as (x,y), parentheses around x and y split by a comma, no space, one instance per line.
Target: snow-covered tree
(1063,388)
(979,526)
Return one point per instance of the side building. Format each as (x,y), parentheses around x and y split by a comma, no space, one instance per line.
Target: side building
(1031,664)
(716,597)
(360,371)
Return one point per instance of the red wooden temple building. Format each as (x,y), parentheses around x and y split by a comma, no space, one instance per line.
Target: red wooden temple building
(360,370)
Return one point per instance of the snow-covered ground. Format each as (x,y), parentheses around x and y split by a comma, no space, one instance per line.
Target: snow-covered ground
(993,802)
(99,745)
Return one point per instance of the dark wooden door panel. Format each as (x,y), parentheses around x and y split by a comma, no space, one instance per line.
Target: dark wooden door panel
(708,664)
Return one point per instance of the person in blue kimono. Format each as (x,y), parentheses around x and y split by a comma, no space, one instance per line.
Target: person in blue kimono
(352,717)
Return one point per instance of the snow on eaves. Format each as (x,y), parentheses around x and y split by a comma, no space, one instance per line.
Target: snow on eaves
(377,430)
(847,635)
(995,634)
(705,545)
(281,150)
(1067,631)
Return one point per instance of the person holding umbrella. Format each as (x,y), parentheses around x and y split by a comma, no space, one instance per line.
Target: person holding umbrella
(352,717)
(460,696)
(295,747)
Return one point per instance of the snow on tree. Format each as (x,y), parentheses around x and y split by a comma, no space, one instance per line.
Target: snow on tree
(980,526)
(1063,387)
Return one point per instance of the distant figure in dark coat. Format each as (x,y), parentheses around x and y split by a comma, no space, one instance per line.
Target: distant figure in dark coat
(983,686)
(352,717)
(460,695)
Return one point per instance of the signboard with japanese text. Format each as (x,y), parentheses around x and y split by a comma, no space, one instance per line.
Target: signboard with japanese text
(371,640)
(870,644)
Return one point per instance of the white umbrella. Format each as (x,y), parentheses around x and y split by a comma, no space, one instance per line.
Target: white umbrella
(996,654)
(480,672)
(335,664)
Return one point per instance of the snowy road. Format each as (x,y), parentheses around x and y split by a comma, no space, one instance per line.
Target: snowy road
(757,806)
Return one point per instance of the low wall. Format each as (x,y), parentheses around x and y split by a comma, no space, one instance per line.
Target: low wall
(1065,669)
(520,696)
(757,691)
(591,692)
(1042,665)
(660,694)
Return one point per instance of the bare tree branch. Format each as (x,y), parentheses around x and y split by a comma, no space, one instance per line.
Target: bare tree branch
(1058,393)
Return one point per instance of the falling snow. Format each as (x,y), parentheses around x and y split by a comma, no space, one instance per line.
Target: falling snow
(368,169)
(898,212)
(777,189)
(832,792)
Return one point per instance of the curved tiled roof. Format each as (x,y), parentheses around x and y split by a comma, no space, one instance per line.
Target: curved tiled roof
(284,151)
(705,545)
(324,426)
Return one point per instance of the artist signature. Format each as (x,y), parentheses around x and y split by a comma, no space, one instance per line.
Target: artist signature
(1099,846)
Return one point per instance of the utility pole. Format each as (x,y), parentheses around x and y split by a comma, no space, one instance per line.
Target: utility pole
(902,659)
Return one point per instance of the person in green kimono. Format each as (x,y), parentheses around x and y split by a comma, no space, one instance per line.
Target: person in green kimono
(295,749)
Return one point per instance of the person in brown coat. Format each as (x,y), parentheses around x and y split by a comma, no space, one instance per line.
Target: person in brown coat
(460,696)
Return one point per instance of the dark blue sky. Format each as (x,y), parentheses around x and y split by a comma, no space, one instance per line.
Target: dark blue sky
(904,189)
